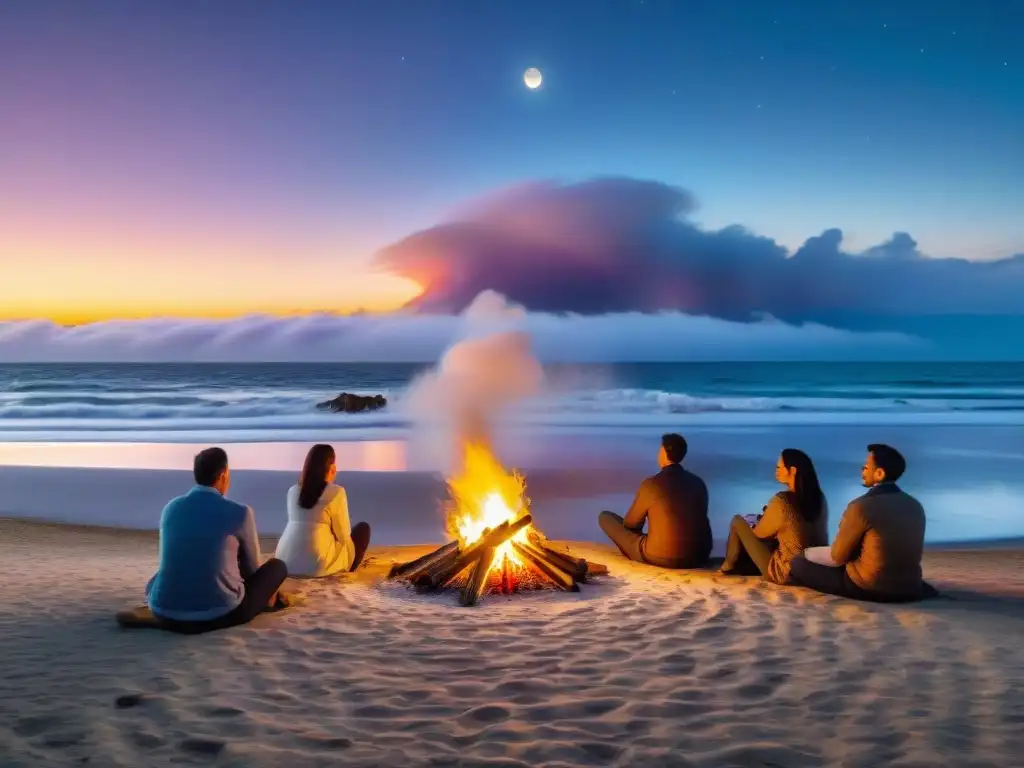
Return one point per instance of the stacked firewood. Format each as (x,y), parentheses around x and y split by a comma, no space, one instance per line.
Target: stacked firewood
(444,565)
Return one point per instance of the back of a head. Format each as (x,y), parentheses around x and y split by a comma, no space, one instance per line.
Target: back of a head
(313,480)
(675,447)
(807,491)
(889,460)
(208,465)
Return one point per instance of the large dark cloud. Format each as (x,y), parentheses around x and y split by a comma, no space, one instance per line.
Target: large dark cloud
(615,244)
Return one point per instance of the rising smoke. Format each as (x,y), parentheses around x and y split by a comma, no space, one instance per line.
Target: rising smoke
(488,369)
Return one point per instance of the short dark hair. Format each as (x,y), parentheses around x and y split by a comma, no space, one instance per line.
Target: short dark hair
(675,447)
(889,460)
(209,464)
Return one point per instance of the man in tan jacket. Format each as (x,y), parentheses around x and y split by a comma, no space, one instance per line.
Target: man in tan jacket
(877,551)
(674,504)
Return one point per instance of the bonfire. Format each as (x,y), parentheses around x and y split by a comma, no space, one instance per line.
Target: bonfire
(494,540)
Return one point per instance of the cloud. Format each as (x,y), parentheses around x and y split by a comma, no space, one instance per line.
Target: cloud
(620,245)
(610,270)
(408,337)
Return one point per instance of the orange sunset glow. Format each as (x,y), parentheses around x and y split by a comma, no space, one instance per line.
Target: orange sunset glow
(139,281)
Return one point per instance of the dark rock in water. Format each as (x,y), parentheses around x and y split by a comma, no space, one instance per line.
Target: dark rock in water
(128,700)
(346,402)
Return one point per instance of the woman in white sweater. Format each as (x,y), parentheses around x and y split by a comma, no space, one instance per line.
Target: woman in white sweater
(318,539)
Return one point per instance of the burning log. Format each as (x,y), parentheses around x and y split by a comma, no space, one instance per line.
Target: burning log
(412,568)
(478,578)
(450,566)
(442,563)
(439,575)
(577,566)
(540,562)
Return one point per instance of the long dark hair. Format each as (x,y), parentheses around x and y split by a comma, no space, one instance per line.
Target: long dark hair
(806,494)
(313,479)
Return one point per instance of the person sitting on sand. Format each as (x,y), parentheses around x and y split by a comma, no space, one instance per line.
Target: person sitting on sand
(318,540)
(794,520)
(877,552)
(674,503)
(210,575)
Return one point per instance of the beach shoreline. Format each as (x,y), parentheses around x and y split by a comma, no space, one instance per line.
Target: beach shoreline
(970,480)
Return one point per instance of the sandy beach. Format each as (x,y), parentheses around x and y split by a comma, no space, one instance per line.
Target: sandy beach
(647,667)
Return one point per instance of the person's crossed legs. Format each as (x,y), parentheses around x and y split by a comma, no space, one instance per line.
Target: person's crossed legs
(626,540)
(260,589)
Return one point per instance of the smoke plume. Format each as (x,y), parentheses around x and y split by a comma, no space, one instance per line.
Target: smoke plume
(491,367)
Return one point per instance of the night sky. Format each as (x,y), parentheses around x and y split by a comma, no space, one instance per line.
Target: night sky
(261,145)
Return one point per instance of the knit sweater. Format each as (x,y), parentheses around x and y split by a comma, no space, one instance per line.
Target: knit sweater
(783,522)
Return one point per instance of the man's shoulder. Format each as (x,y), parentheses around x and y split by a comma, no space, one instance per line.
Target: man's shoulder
(235,508)
(694,479)
(873,500)
(213,502)
(904,500)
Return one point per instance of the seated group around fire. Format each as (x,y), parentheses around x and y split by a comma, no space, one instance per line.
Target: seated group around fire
(876,555)
(210,574)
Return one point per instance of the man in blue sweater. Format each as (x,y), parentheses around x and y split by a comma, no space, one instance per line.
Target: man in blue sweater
(210,575)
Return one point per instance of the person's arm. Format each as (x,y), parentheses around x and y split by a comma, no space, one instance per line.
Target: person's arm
(341,526)
(248,545)
(637,514)
(771,521)
(852,527)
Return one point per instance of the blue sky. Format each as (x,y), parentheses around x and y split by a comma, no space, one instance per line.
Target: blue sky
(256,140)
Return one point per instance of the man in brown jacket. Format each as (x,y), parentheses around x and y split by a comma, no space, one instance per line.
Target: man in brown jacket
(674,503)
(880,542)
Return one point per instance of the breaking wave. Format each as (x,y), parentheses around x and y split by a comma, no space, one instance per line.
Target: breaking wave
(26,410)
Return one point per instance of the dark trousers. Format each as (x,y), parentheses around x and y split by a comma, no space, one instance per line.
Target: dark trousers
(259,588)
(631,544)
(361,538)
(628,541)
(745,553)
(835,581)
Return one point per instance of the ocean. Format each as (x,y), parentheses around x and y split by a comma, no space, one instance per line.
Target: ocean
(69,433)
(269,402)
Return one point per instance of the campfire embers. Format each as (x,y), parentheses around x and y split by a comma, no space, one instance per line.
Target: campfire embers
(476,569)
(496,549)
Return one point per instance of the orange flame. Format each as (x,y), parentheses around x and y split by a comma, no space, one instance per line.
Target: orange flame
(484,495)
